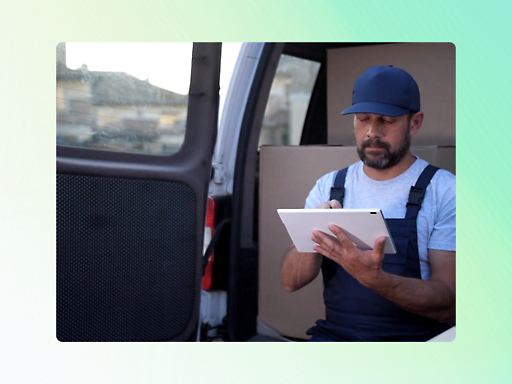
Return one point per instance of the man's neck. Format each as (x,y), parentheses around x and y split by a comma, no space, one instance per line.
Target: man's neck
(390,173)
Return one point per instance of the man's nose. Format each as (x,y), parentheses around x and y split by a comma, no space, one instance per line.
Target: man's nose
(375,129)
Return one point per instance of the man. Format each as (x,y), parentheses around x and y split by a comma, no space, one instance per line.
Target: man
(369,296)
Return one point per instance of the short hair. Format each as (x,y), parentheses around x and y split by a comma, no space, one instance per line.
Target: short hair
(410,114)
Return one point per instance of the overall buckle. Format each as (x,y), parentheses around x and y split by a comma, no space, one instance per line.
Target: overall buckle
(416,196)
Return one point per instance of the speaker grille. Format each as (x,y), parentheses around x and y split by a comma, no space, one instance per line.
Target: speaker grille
(126,265)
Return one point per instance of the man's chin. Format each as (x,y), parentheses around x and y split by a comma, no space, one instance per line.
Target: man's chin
(375,157)
(375,161)
(380,165)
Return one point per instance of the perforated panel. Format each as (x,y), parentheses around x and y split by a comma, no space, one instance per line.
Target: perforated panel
(125,259)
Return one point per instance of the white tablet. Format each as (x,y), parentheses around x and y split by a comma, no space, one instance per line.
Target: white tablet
(363,226)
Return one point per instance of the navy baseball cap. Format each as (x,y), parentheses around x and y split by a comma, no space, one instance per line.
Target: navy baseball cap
(385,90)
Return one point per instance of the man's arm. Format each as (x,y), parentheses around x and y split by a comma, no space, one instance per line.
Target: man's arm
(434,298)
(299,268)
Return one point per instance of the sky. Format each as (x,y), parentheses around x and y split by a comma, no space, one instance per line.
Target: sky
(166,65)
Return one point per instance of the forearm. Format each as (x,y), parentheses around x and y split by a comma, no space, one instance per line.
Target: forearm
(433,299)
(299,269)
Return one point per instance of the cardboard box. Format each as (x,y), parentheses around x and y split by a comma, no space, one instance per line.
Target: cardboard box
(431,64)
(287,174)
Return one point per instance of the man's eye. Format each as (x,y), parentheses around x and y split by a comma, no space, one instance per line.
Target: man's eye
(389,121)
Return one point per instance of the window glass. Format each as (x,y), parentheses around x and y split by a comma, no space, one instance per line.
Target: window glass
(288,101)
(123,96)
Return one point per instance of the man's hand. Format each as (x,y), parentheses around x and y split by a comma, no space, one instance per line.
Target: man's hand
(434,298)
(364,266)
(330,204)
(299,269)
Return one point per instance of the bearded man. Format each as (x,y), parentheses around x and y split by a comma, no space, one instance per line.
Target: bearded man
(369,295)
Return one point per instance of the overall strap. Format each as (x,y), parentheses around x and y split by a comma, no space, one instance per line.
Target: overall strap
(417,192)
(338,190)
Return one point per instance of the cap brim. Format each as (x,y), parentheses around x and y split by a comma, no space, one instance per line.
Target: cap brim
(377,108)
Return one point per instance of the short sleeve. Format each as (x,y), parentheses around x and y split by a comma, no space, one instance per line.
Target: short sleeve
(320,192)
(443,233)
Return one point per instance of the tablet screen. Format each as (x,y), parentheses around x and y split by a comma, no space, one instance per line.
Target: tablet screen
(363,226)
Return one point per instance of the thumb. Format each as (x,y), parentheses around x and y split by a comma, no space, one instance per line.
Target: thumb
(379,244)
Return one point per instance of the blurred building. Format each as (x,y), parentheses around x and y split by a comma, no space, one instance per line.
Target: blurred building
(114,110)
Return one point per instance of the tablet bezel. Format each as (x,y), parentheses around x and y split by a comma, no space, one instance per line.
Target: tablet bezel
(363,226)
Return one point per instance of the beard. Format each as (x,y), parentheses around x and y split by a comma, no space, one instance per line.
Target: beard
(389,158)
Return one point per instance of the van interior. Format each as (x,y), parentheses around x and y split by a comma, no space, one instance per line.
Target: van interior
(319,141)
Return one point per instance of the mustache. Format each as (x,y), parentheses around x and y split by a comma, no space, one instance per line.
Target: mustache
(375,143)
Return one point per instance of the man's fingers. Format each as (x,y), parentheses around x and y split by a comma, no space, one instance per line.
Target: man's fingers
(324,241)
(319,249)
(330,204)
(342,237)
(379,245)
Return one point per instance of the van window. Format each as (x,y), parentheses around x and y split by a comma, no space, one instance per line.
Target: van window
(288,101)
(130,97)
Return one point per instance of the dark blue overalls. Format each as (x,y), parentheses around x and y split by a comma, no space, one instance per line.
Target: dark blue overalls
(354,312)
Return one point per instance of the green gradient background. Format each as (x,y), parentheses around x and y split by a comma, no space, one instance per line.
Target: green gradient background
(29,32)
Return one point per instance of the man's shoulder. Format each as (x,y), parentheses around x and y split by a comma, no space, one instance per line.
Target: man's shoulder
(442,186)
(444,178)
(441,174)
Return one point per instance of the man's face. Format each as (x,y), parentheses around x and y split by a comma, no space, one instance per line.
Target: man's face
(382,141)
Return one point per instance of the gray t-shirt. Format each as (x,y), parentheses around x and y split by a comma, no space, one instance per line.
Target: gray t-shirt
(436,219)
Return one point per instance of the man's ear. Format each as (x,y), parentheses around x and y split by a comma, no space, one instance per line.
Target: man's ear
(416,122)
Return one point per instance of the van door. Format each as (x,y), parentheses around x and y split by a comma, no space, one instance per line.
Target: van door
(131,201)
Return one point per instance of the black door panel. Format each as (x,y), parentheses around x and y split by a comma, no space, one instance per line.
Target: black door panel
(130,229)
